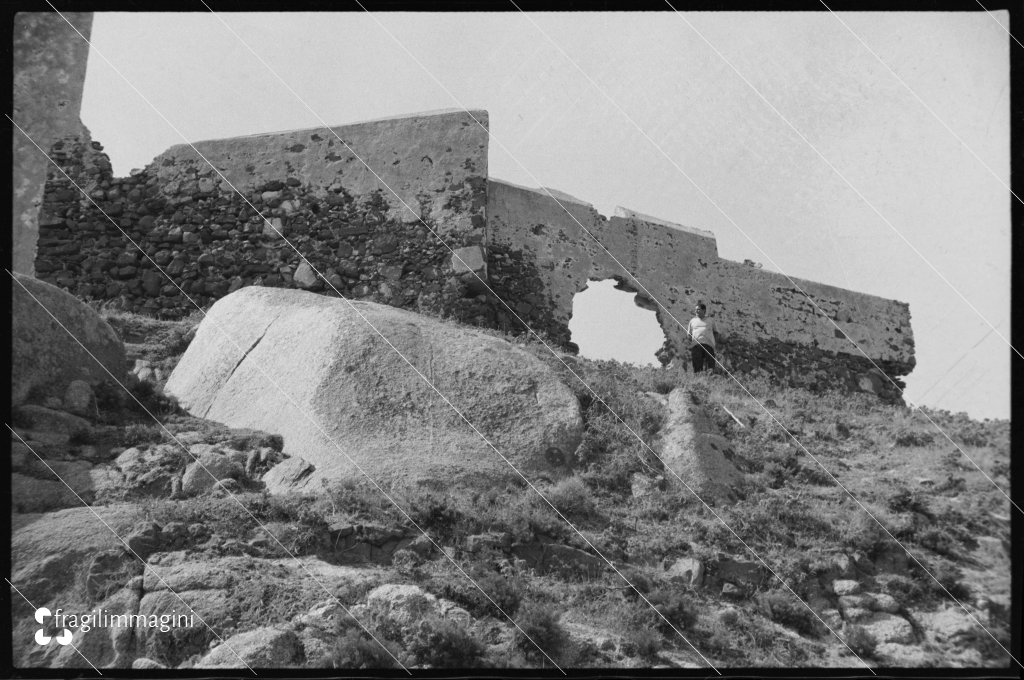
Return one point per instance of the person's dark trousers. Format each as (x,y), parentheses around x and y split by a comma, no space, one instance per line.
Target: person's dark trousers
(703,357)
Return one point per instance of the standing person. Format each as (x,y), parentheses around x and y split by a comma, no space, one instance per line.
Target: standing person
(702,333)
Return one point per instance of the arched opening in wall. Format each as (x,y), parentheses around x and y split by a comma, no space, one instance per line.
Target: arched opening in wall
(606,323)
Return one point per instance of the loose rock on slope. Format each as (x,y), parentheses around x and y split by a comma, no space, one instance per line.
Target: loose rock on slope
(694,450)
(312,369)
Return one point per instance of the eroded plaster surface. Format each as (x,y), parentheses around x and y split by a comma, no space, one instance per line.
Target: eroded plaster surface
(414,161)
(806,332)
(210,220)
(49,59)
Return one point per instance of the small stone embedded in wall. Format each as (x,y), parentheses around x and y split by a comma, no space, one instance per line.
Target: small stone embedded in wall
(304,276)
(469,259)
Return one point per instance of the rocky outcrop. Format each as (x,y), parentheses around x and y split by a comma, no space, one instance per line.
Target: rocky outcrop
(59,460)
(314,370)
(49,549)
(696,454)
(257,648)
(56,340)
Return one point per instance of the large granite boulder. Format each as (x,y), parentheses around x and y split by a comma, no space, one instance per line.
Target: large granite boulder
(334,378)
(45,358)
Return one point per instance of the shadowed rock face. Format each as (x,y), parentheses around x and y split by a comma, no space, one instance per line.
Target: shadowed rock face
(315,370)
(45,358)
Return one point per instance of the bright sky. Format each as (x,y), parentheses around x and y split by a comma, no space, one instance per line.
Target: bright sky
(788,135)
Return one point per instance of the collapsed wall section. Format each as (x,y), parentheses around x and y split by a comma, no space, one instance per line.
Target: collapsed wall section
(769,323)
(49,58)
(559,244)
(210,232)
(200,222)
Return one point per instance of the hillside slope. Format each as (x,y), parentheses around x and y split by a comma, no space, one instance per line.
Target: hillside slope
(636,572)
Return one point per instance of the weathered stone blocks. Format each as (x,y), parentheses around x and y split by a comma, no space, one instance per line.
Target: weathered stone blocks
(49,57)
(204,235)
(365,205)
(796,331)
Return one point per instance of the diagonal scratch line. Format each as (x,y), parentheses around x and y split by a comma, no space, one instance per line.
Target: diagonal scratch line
(200,463)
(194,458)
(313,421)
(524,323)
(845,180)
(957,363)
(676,320)
(922,102)
(374,328)
(378,332)
(810,298)
(527,327)
(128,547)
(997,23)
(719,362)
(667,312)
(34,608)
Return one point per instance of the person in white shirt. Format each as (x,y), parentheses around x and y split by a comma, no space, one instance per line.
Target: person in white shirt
(702,332)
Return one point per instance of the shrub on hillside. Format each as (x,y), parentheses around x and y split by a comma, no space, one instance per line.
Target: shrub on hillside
(815,474)
(572,498)
(642,642)
(907,437)
(438,515)
(538,626)
(146,397)
(506,593)
(141,433)
(406,563)
(864,534)
(861,641)
(361,500)
(938,540)
(441,643)
(677,607)
(356,649)
(644,625)
(905,500)
(945,580)
(784,608)
(904,589)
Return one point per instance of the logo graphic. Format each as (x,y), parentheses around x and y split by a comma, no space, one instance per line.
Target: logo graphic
(42,638)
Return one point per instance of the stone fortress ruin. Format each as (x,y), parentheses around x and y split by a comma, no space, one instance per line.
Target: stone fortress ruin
(200,215)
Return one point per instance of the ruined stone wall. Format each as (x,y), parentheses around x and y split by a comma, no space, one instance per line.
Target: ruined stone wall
(49,60)
(768,324)
(569,243)
(208,233)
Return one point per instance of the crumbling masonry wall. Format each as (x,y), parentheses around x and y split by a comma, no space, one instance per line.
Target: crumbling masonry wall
(208,232)
(768,323)
(49,60)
